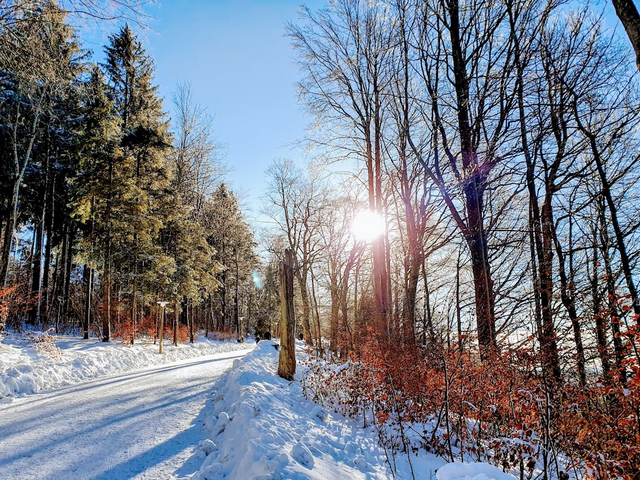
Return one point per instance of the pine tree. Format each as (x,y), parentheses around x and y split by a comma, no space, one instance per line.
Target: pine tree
(137,254)
(97,187)
(40,61)
(230,235)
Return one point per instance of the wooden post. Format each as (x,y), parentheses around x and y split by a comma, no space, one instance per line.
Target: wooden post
(176,324)
(161,332)
(163,321)
(88,278)
(287,361)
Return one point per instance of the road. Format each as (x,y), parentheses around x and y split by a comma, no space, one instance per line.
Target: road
(141,424)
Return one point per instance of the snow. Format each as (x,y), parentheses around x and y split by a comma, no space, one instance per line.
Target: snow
(471,471)
(128,412)
(41,362)
(262,427)
(142,424)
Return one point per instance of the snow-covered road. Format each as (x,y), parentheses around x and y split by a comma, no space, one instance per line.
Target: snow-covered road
(140,424)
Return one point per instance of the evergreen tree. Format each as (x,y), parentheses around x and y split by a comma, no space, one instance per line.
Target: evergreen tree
(230,235)
(40,61)
(192,162)
(143,172)
(98,185)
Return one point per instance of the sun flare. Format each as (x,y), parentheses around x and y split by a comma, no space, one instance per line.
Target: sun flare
(367,226)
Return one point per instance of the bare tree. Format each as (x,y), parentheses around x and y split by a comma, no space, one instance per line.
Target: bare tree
(468,106)
(196,162)
(12,11)
(603,104)
(630,18)
(343,256)
(296,205)
(344,54)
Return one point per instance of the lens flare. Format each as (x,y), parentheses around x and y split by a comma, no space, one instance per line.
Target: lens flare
(257,279)
(367,226)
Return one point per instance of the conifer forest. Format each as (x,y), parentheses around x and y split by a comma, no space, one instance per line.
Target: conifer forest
(463,227)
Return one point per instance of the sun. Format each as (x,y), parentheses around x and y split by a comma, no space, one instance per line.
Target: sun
(367,226)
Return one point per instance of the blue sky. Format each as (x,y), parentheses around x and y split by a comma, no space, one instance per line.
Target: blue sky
(241,68)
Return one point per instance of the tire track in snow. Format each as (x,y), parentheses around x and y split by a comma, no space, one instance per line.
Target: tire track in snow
(142,424)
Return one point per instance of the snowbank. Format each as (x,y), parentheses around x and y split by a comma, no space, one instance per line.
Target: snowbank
(30,365)
(262,427)
(471,471)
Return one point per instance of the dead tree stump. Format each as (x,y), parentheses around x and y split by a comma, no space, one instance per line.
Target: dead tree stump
(287,361)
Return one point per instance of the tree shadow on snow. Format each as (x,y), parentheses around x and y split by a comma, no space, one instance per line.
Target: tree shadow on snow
(164,451)
(99,443)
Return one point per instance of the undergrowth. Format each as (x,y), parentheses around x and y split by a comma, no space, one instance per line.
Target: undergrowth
(502,411)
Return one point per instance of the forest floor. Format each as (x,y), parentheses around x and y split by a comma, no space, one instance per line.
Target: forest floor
(210,416)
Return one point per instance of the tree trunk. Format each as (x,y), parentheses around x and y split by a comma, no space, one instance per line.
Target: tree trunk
(568,300)
(236,306)
(67,272)
(630,19)
(36,287)
(19,167)
(458,307)
(613,212)
(88,280)
(32,254)
(55,291)
(344,291)
(427,327)
(380,264)
(223,303)
(484,295)
(614,313)
(163,321)
(208,320)
(36,269)
(6,238)
(49,219)
(134,302)
(184,311)
(287,360)
(474,188)
(176,323)
(409,307)
(549,344)
(393,308)
(106,318)
(316,313)
(306,308)
(9,231)
(601,327)
(541,229)
(335,314)
(191,331)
